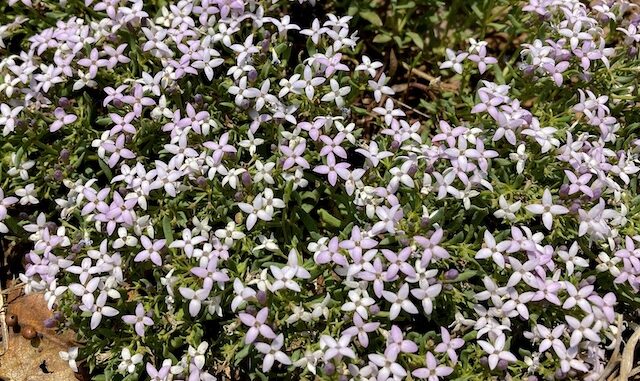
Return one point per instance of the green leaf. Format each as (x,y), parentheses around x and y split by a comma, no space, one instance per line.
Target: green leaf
(328,219)
(382,39)
(477,11)
(167,229)
(105,169)
(465,275)
(308,222)
(415,37)
(372,17)
(242,354)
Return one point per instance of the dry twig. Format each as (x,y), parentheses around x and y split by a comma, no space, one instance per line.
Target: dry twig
(3,323)
(626,363)
(614,359)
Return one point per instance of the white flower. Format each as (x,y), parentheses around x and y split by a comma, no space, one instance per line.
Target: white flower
(337,93)
(129,362)
(379,88)
(272,352)
(571,258)
(263,172)
(20,168)
(520,156)
(229,234)
(507,210)
(27,195)
(369,66)
(309,360)
(547,209)
(267,243)
(251,143)
(197,354)
(454,60)
(70,356)
(496,351)
(231,177)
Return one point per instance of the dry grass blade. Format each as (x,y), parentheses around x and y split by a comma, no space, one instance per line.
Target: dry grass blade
(3,323)
(626,363)
(614,359)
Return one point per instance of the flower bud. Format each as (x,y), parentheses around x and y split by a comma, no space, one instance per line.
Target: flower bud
(451,274)
(49,323)
(503,364)
(424,222)
(58,175)
(252,75)
(238,196)
(329,369)
(374,309)
(575,206)
(75,248)
(251,310)
(412,170)
(395,145)
(117,103)
(246,179)
(262,297)
(198,99)
(564,191)
(559,375)
(484,361)
(52,227)
(64,103)
(201,181)
(64,155)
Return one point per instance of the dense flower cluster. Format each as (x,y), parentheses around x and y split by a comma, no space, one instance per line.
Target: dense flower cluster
(241,189)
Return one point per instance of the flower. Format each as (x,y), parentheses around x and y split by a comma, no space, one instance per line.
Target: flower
(496,351)
(454,60)
(27,195)
(70,356)
(449,345)
(507,210)
(369,66)
(399,301)
(129,362)
(196,298)
(139,320)
(433,371)
(547,209)
(339,348)
(257,326)
(482,59)
(272,352)
(337,93)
